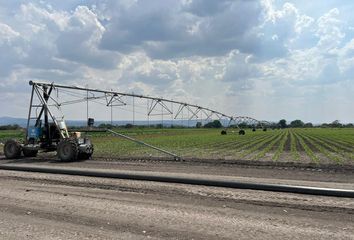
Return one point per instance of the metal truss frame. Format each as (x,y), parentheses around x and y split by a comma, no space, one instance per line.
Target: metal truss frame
(115,98)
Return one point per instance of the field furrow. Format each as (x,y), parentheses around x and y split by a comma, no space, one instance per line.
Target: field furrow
(267,147)
(339,144)
(307,149)
(318,145)
(293,146)
(281,146)
(257,145)
(218,150)
(328,154)
(232,150)
(331,149)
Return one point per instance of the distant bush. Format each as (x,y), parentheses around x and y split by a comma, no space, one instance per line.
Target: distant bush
(129,125)
(213,124)
(105,125)
(10,127)
(297,124)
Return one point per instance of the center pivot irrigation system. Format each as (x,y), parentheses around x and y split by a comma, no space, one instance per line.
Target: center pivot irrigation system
(47,130)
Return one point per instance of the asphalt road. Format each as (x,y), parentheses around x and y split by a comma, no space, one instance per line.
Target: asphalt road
(45,206)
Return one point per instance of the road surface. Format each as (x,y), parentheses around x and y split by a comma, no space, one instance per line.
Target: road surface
(45,206)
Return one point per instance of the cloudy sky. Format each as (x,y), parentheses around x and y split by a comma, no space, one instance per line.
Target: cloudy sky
(266,59)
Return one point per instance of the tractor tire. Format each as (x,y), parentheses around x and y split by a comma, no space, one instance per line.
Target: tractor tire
(68,150)
(86,155)
(241,132)
(12,149)
(29,153)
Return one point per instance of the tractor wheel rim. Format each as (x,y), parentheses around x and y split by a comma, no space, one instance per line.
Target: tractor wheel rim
(11,149)
(66,150)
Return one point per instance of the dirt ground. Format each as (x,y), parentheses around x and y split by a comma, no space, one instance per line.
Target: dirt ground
(48,206)
(44,206)
(300,172)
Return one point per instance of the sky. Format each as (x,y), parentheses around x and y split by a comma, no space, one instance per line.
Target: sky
(265,59)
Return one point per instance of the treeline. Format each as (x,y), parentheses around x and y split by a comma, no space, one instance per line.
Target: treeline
(213,124)
(129,125)
(300,124)
(10,127)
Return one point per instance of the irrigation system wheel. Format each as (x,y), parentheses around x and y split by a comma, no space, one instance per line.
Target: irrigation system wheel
(29,153)
(68,150)
(12,149)
(241,132)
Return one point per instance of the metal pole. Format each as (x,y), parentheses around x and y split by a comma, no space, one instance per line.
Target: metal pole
(87,106)
(111,115)
(29,113)
(133,109)
(45,105)
(143,143)
(46,123)
(111,111)
(123,94)
(147,109)
(171,115)
(162,116)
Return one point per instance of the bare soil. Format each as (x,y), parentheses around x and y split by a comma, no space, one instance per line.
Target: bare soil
(44,206)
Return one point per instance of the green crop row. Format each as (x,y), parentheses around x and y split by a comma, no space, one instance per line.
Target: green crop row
(281,146)
(331,148)
(268,147)
(254,146)
(307,149)
(321,149)
(294,152)
(320,145)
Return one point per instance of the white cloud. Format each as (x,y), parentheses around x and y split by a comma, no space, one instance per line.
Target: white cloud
(329,30)
(261,58)
(7,34)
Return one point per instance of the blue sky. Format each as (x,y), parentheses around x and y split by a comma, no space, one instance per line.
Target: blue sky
(265,59)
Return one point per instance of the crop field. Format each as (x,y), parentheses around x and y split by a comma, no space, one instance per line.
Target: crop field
(315,145)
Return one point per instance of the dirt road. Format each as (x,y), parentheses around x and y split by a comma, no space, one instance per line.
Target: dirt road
(44,206)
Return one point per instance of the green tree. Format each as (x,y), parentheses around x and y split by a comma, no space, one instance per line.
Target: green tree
(129,125)
(308,125)
(297,124)
(243,125)
(213,124)
(336,124)
(282,123)
(198,125)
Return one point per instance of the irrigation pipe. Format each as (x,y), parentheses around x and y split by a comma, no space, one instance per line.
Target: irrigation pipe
(143,143)
(186,180)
